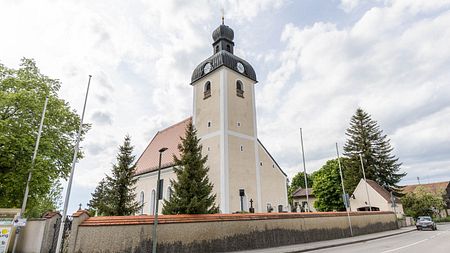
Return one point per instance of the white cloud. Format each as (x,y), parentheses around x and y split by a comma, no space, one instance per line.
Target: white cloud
(140,53)
(392,62)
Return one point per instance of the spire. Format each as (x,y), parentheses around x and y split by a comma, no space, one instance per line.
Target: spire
(223,15)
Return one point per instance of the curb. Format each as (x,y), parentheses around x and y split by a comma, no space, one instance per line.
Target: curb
(352,242)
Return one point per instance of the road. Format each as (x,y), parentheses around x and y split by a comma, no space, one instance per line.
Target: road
(412,242)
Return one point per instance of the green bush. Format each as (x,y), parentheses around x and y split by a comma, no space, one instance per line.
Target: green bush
(443,219)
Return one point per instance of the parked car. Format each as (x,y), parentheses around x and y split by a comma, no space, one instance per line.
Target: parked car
(424,222)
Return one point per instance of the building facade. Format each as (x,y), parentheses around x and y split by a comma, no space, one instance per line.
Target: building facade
(373,196)
(224,114)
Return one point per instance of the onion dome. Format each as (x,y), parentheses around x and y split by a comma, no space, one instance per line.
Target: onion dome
(223,32)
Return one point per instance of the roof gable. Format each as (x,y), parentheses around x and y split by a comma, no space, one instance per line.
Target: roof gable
(169,138)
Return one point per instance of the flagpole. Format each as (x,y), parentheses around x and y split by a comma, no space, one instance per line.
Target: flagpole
(27,188)
(69,184)
(365,180)
(304,170)
(343,191)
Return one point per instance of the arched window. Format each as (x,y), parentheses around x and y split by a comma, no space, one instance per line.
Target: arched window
(169,193)
(152,202)
(228,48)
(239,88)
(207,90)
(217,49)
(141,201)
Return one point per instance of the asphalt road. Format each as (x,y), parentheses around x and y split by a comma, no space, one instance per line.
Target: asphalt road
(412,242)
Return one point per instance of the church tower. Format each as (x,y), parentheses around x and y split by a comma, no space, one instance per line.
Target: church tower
(224,115)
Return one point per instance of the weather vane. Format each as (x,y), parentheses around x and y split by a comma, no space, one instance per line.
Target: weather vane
(223,15)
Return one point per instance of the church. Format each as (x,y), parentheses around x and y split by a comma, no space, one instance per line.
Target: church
(224,113)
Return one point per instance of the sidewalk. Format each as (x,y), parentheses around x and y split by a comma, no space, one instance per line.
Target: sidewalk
(330,243)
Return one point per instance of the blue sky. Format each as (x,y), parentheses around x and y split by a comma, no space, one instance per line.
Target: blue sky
(316,62)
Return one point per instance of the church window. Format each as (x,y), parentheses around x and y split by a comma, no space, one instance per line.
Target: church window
(239,88)
(142,202)
(207,90)
(228,48)
(209,149)
(152,202)
(209,123)
(260,163)
(217,49)
(242,148)
(169,193)
(239,124)
(273,165)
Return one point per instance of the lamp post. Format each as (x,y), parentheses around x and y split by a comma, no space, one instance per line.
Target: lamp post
(155,222)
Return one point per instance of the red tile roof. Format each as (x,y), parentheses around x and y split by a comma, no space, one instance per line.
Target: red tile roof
(433,187)
(189,218)
(168,138)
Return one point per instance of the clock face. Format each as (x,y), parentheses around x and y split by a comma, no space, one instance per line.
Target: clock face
(207,68)
(240,67)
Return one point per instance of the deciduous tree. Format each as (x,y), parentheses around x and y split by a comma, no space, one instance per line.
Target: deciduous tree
(22,96)
(422,202)
(327,188)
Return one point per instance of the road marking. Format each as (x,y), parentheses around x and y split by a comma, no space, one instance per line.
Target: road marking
(406,246)
(412,244)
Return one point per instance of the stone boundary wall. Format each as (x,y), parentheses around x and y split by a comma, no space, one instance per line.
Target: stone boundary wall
(221,232)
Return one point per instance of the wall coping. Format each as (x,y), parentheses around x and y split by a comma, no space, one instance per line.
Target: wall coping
(191,218)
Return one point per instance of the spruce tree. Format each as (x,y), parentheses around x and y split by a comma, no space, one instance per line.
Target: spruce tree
(192,191)
(366,138)
(119,196)
(99,203)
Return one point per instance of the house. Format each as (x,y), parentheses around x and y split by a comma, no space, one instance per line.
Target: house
(437,188)
(241,169)
(300,202)
(372,196)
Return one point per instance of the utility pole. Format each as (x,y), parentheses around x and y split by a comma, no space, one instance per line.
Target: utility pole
(343,191)
(304,171)
(27,188)
(365,180)
(69,184)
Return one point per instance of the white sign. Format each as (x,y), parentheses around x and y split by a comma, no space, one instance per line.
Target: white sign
(20,222)
(6,221)
(4,238)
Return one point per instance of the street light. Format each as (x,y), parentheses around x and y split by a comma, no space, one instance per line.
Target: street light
(155,222)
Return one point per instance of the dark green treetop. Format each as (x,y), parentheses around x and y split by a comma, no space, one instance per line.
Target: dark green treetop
(192,191)
(365,137)
(120,197)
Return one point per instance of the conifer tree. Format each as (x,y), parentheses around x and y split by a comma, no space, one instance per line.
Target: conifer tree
(366,138)
(115,195)
(98,204)
(192,191)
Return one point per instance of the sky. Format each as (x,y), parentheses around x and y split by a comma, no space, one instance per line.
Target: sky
(316,63)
